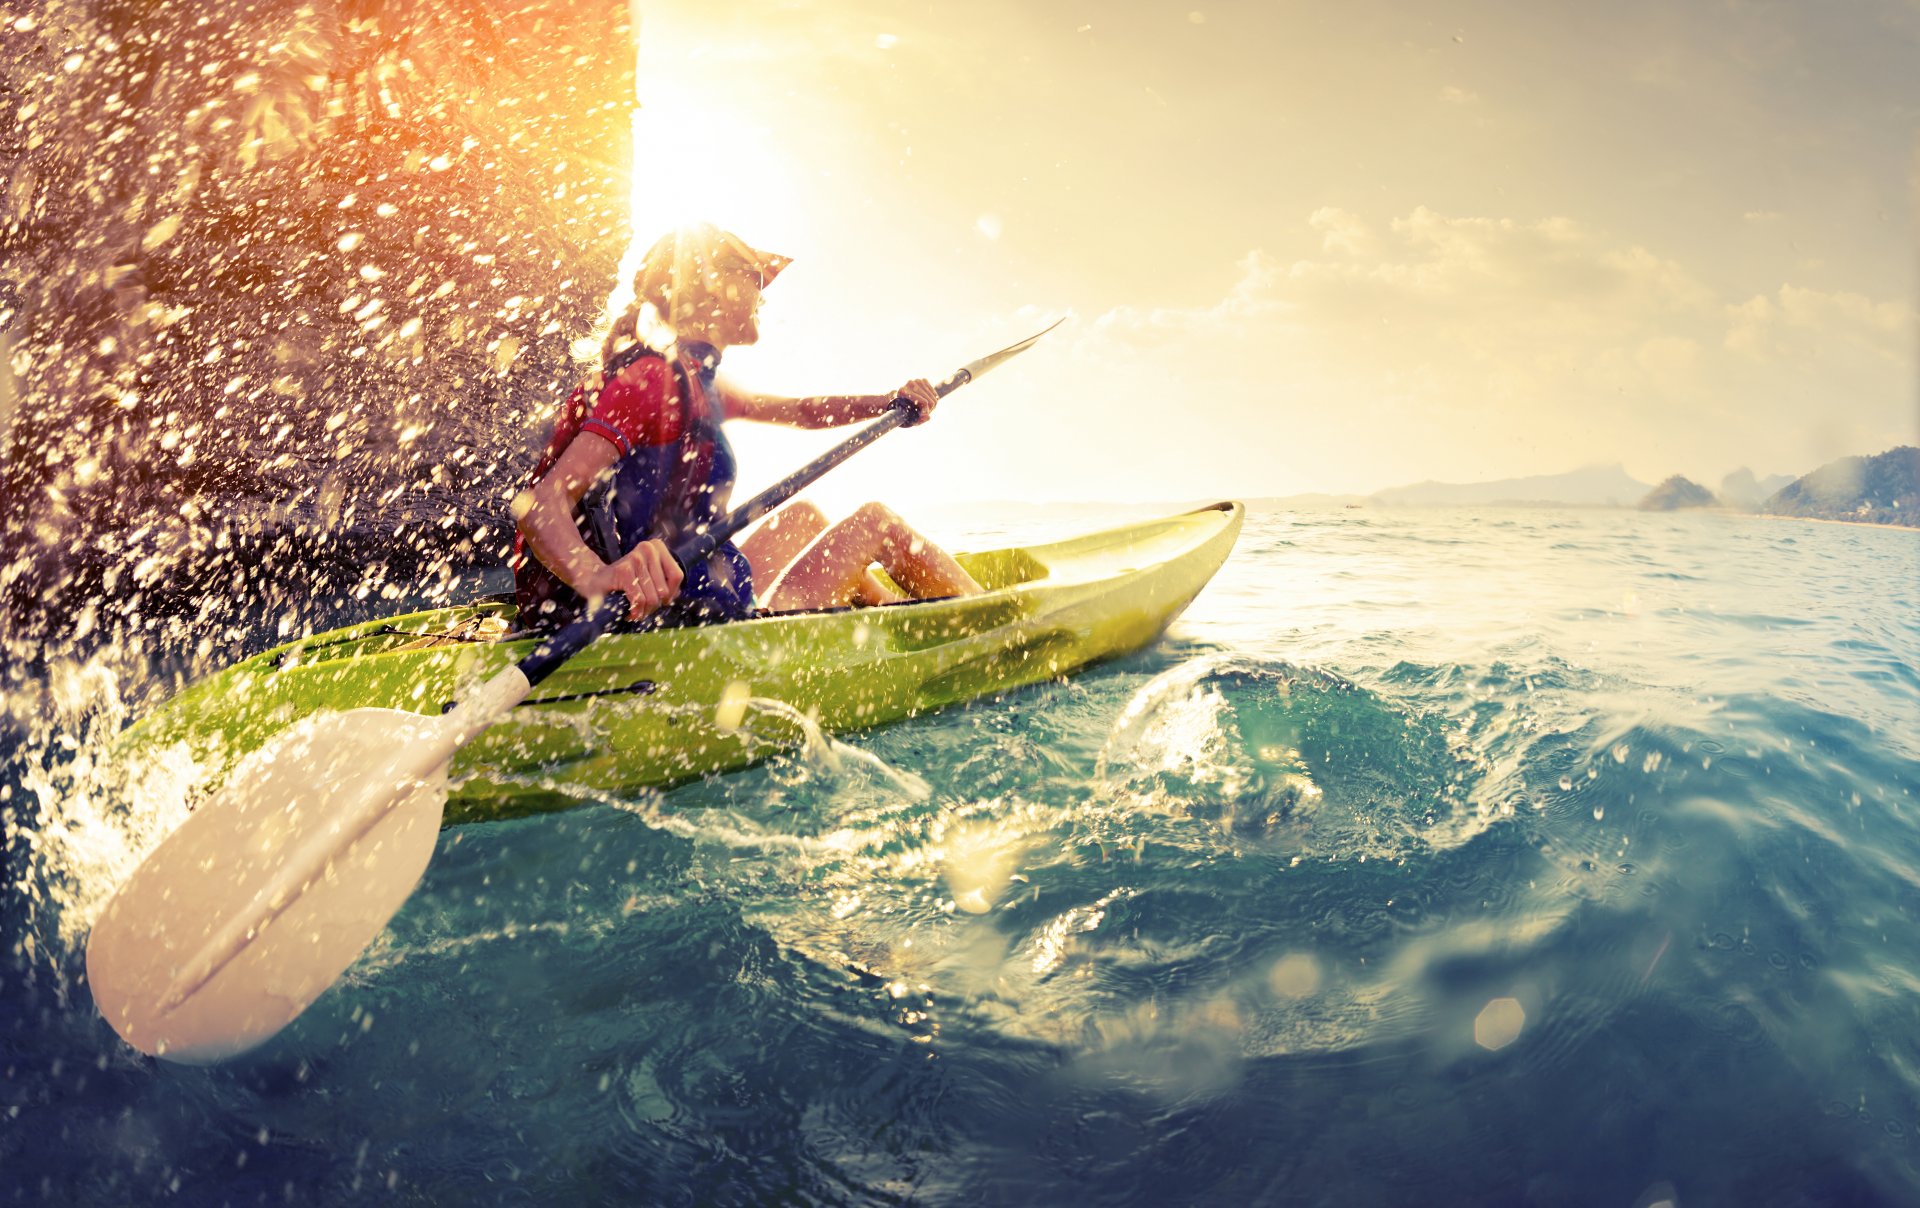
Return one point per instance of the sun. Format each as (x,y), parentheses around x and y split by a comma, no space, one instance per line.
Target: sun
(695,161)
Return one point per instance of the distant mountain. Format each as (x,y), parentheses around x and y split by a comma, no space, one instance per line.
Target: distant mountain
(1741,489)
(1676,493)
(1590,486)
(1882,489)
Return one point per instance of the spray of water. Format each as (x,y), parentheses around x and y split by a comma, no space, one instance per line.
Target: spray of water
(80,819)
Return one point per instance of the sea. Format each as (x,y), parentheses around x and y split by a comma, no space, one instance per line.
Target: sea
(1455,856)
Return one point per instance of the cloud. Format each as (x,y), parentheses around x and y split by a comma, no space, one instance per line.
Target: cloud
(1495,345)
(1796,320)
(1253,297)
(1344,232)
(1452,281)
(1819,309)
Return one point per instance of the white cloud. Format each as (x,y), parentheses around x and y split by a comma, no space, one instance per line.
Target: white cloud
(1440,345)
(1341,231)
(1798,323)
(1253,296)
(1822,309)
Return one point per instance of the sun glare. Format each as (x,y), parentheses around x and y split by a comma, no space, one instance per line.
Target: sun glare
(710,146)
(695,162)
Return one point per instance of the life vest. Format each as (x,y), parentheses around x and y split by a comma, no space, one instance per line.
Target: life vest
(673,478)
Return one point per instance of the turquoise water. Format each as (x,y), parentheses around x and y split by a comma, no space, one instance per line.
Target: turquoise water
(1448,856)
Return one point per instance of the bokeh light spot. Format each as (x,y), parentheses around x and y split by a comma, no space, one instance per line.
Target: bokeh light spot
(1499,1023)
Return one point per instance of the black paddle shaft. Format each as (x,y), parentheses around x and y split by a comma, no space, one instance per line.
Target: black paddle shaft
(572,638)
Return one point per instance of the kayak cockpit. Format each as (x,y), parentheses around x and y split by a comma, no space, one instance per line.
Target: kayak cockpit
(491,621)
(1000,568)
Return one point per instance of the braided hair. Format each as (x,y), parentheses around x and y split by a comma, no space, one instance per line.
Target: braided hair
(624,333)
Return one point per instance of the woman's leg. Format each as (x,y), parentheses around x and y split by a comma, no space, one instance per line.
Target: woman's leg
(832,572)
(773,545)
(776,541)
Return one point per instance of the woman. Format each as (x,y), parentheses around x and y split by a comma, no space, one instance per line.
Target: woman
(638,458)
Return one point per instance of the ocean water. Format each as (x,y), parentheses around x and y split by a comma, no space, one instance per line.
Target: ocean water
(1453,856)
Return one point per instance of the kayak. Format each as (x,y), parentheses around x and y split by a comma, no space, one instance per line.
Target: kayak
(656,708)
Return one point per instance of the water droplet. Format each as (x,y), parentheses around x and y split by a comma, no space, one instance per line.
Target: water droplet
(1295,975)
(732,707)
(160,232)
(1499,1023)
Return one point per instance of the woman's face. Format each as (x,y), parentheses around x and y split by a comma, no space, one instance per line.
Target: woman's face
(730,313)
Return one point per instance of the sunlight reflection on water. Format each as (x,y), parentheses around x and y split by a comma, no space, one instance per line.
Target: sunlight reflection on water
(1422,835)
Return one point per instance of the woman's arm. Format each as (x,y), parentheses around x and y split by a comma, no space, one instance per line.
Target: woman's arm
(827,410)
(544,515)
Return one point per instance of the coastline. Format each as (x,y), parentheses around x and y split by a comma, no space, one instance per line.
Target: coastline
(1872,524)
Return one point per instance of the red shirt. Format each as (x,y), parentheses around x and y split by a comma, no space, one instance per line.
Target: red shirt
(673,469)
(639,407)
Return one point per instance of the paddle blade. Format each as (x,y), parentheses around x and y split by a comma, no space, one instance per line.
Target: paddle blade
(243,916)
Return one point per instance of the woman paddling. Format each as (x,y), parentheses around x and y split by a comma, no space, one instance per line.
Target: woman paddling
(638,458)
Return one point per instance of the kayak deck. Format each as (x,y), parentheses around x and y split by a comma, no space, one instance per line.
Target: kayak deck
(637,710)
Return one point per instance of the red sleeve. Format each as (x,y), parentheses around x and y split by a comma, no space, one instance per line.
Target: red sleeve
(638,408)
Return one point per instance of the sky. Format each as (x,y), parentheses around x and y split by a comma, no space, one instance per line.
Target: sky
(1308,247)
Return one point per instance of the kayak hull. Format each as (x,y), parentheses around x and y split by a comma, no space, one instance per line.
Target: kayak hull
(658,708)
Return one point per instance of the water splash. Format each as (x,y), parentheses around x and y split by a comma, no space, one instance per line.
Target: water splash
(822,753)
(1298,755)
(800,755)
(83,820)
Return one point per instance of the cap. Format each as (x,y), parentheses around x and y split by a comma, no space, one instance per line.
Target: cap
(685,265)
(767,264)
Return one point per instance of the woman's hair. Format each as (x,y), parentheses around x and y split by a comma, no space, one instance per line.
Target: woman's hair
(624,332)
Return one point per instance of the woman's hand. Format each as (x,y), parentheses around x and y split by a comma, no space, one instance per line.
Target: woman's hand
(924,398)
(648,576)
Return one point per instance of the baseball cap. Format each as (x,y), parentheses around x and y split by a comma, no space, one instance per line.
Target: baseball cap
(687,261)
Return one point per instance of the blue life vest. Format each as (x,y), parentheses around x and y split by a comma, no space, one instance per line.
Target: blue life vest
(670,492)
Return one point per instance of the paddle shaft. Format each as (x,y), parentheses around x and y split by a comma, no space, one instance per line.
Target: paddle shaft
(572,638)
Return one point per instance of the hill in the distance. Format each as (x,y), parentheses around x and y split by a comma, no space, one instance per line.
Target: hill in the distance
(1676,493)
(1882,489)
(1741,489)
(1589,486)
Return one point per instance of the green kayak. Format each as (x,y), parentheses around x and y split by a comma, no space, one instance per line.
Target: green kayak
(663,707)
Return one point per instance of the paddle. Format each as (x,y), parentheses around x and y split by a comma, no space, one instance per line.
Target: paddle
(257,903)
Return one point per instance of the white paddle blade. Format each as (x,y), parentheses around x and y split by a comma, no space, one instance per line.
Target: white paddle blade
(243,916)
